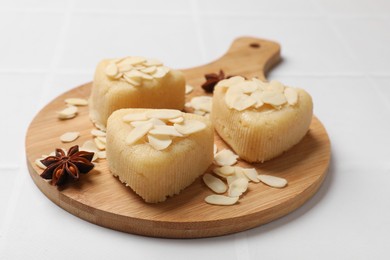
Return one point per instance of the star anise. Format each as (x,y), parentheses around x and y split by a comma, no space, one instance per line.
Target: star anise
(61,166)
(211,80)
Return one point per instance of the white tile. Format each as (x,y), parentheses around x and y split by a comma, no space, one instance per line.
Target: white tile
(368,41)
(264,7)
(31,40)
(134,5)
(93,37)
(309,45)
(19,106)
(7,184)
(32,4)
(60,83)
(355,7)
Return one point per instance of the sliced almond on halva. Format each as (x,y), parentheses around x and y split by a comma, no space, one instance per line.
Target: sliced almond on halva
(189,126)
(164,114)
(291,96)
(165,130)
(159,142)
(138,132)
(134,117)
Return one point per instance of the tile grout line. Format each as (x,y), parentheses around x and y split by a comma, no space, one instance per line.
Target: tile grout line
(198,27)
(59,50)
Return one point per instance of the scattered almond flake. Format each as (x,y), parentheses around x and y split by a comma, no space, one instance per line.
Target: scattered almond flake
(248,87)
(134,117)
(102,154)
(39,163)
(154,121)
(243,102)
(111,70)
(199,112)
(189,89)
(76,101)
(159,142)
(251,174)
(202,103)
(225,157)
(238,172)
(224,171)
(257,95)
(177,120)
(67,113)
(165,130)
(90,146)
(132,81)
(221,200)
(276,86)
(96,132)
(231,81)
(99,144)
(69,137)
(190,126)
(188,104)
(137,133)
(238,187)
(214,183)
(215,149)
(291,96)
(102,139)
(231,179)
(273,98)
(275,182)
(164,114)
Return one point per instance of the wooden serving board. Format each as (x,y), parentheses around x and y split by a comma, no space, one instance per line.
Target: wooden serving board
(100,198)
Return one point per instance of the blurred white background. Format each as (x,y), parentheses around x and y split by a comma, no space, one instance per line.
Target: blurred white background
(339,50)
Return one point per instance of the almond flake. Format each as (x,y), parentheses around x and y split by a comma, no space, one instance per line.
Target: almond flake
(202,103)
(188,104)
(199,112)
(231,95)
(221,200)
(102,154)
(276,86)
(251,174)
(257,95)
(275,182)
(225,157)
(125,67)
(190,126)
(243,102)
(102,139)
(261,85)
(224,171)
(165,130)
(152,62)
(215,149)
(164,114)
(248,86)
(159,142)
(96,132)
(99,144)
(111,70)
(149,70)
(231,178)
(231,81)
(146,76)
(137,133)
(177,120)
(291,96)
(90,146)
(134,117)
(189,89)
(238,187)
(132,81)
(40,164)
(76,101)
(160,73)
(273,98)
(154,121)
(68,112)
(69,137)
(134,60)
(214,183)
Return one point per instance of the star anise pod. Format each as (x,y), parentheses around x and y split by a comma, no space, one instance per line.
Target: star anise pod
(61,166)
(211,80)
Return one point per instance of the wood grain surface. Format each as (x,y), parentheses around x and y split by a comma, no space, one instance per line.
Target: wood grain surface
(100,198)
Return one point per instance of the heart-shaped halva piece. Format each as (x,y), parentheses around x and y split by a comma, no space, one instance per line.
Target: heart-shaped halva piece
(260,120)
(158,152)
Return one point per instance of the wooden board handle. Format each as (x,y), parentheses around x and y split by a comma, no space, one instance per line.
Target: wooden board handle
(247,56)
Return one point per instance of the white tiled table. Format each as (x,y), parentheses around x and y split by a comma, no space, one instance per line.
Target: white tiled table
(338,50)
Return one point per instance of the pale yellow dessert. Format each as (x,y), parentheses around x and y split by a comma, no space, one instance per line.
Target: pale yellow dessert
(158,152)
(260,120)
(134,82)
